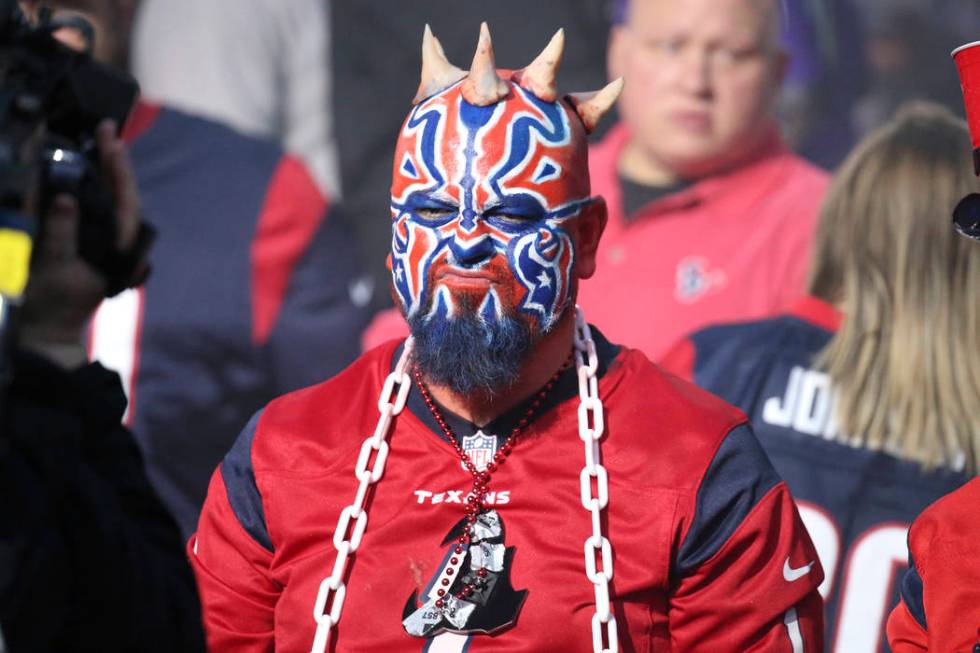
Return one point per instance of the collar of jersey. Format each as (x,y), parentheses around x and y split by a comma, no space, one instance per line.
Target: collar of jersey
(817,312)
(565,388)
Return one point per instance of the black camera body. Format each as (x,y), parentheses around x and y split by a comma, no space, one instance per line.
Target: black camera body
(52,98)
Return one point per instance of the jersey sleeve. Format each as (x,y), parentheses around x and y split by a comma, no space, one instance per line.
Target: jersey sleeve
(231,553)
(906,629)
(746,573)
(940,594)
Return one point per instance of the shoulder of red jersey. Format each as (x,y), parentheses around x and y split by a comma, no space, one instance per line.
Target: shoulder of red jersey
(325,418)
(939,586)
(688,423)
(301,433)
(955,506)
(696,443)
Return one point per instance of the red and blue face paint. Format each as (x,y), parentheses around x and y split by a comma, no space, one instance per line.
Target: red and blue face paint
(481,198)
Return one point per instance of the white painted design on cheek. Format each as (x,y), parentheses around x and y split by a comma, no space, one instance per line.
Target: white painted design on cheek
(492,300)
(442,296)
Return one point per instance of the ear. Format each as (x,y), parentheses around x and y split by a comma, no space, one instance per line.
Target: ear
(589,226)
(388,262)
(616,52)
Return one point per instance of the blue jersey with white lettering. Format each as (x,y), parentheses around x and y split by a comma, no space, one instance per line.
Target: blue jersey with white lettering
(856,503)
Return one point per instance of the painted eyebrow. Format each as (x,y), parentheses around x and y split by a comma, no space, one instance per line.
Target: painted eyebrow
(430,200)
(524,206)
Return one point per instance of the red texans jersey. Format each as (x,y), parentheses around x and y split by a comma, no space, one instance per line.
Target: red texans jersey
(940,607)
(709,550)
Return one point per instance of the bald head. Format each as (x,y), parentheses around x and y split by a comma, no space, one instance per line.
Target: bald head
(773,11)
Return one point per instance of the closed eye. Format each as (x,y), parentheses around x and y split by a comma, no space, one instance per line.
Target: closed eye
(509,218)
(434,213)
(514,211)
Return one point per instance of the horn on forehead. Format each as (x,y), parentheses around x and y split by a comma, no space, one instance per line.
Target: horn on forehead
(540,76)
(482,86)
(437,72)
(592,106)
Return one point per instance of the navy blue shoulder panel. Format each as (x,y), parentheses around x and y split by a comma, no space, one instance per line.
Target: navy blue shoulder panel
(243,493)
(912,593)
(731,360)
(738,478)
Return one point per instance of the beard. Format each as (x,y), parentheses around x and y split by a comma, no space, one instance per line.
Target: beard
(470,352)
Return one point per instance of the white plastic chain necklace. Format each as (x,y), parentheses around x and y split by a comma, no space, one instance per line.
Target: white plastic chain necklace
(590,428)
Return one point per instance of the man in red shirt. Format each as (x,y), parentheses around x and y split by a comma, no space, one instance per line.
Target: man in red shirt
(710,217)
(474,500)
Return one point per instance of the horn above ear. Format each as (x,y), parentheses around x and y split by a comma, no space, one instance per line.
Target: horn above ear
(482,86)
(437,72)
(592,106)
(540,75)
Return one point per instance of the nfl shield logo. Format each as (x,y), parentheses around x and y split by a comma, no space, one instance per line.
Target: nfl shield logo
(480,449)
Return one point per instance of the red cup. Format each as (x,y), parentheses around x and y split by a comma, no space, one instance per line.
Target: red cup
(967,59)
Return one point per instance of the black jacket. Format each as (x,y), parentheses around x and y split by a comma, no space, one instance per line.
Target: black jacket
(89,558)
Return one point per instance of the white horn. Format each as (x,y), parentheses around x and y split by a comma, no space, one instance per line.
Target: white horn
(437,72)
(591,107)
(482,86)
(541,74)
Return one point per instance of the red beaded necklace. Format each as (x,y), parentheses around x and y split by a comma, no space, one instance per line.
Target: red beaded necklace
(481,479)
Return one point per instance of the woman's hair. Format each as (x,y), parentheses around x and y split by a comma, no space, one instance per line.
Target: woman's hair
(906,360)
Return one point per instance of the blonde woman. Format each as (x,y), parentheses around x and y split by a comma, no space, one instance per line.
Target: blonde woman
(867,395)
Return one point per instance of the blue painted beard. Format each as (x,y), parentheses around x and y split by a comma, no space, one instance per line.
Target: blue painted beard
(468,353)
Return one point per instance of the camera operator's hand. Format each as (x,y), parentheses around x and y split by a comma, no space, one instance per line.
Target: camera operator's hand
(64,290)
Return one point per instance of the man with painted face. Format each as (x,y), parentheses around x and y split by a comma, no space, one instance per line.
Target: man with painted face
(471,465)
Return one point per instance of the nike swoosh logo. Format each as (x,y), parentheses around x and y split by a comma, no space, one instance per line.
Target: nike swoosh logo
(791,574)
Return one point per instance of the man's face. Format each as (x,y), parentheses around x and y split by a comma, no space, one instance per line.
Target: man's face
(482,199)
(702,76)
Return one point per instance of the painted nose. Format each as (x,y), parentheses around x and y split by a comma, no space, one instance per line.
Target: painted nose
(469,252)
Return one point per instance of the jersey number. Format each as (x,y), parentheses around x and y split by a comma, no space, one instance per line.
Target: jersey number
(872,564)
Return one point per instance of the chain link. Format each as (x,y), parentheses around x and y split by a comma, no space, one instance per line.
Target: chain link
(333,585)
(591,425)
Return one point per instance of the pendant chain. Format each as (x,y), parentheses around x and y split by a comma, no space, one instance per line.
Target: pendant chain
(475,501)
(591,426)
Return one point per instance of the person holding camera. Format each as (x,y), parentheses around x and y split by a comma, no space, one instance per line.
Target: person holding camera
(90,560)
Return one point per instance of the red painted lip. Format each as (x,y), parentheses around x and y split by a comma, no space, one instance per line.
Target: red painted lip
(466,278)
(694,121)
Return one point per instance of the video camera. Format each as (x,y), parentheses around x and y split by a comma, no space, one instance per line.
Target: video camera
(52,98)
